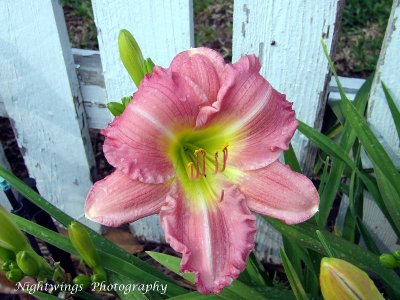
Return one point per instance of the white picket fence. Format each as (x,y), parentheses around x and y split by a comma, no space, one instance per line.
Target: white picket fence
(53,94)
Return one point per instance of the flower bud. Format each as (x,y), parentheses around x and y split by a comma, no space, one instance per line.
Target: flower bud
(388,261)
(342,280)
(115,108)
(396,255)
(80,239)
(11,237)
(131,56)
(28,263)
(15,275)
(6,266)
(84,280)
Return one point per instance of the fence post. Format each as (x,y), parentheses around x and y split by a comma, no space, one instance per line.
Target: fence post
(285,35)
(162,28)
(41,95)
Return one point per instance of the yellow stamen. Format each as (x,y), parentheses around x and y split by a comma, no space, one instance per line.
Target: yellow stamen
(216,162)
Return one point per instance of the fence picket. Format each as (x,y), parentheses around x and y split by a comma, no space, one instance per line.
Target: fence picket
(162,29)
(41,95)
(387,70)
(285,35)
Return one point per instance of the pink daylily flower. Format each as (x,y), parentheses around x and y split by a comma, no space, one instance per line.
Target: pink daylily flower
(199,145)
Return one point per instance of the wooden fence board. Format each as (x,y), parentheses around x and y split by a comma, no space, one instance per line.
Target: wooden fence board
(162,28)
(40,90)
(285,35)
(387,70)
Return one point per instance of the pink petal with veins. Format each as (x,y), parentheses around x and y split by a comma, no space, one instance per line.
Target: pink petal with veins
(215,238)
(281,193)
(117,200)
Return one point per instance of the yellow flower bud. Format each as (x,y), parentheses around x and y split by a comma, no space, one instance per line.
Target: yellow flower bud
(342,280)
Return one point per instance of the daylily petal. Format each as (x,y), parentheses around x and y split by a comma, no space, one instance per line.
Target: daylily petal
(136,142)
(215,238)
(117,199)
(204,67)
(261,119)
(279,192)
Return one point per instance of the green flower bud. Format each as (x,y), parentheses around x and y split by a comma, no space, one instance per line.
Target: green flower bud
(6,266)
(80,239)
(84,280)
(6,254)
(15,275)
(131,56)
(11,237)
(98,277)
(388,261)
(396,255)
(28,263)
(13,265)
(115,108)
(342,280)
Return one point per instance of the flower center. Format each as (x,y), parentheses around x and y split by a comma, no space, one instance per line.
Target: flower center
(199,156)
(197,169)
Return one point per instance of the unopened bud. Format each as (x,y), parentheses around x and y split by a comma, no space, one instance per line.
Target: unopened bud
(15,275)
(80,239)
(396,255)
(6,266)
(388,261)
(342,280)
(28,263)
(131,56)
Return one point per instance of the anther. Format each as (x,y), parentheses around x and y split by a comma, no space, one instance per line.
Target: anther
(225,158)
(216,162)
(190,166)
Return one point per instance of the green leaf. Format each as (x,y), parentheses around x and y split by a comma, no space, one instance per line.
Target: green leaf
(99,241)
(335,150)
(195,296)
(292,276)
(124,281)
(387,176)
(347,140)
(367,237)
(255,270)
(305,234)
(109,261)
(393,108)
(237,290)
(291,159)
(115,108)
(44,296)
